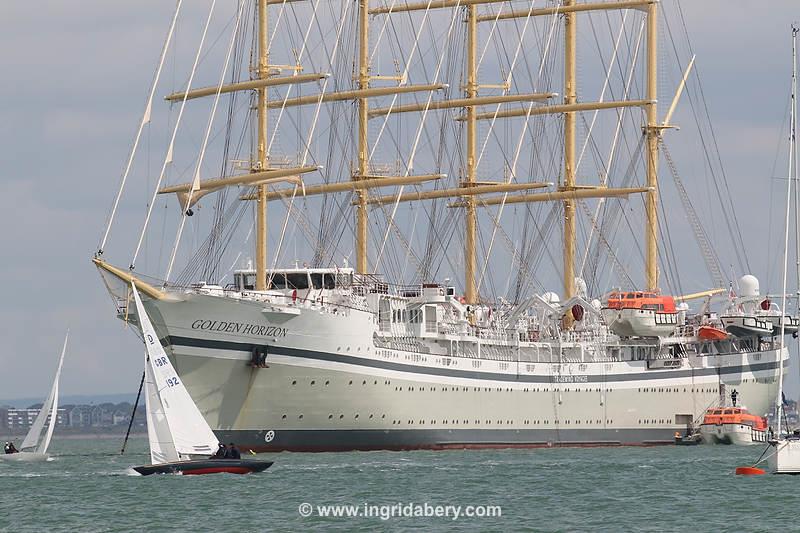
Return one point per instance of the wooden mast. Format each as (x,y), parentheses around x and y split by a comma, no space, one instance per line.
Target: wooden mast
(652,132)
(570,98)
(261,155)
(363,148)
(470,215)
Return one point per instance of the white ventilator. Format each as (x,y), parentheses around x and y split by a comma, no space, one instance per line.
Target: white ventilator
(175,427)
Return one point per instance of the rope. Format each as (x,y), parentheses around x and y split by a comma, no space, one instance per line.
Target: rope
(145,120)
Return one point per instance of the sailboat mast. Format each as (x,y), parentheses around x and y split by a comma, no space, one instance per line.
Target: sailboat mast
(570,98)
(262,71)
(652,133)
(791,176)
(363,148)
(470,214)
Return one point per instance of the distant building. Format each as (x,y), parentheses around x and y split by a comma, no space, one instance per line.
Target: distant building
(18,419)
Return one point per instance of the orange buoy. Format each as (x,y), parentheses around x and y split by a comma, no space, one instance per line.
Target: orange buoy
(749,471)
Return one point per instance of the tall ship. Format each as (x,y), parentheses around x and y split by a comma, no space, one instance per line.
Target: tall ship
(420,160)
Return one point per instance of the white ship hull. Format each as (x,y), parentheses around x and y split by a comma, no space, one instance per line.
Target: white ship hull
(329,385)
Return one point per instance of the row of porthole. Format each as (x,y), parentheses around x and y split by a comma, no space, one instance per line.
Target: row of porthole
(499,422)
(670,389)
(328,382)
(466,389)
(659,421)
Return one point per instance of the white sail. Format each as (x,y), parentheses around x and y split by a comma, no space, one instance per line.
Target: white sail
(49,408)
(162,450)
(189,431)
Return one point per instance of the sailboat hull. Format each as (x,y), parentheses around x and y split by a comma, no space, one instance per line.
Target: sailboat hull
(24,457)
(206,466)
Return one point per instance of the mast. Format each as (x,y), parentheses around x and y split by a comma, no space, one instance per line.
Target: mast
(791,177)
(470,215)
(363,149)
(570,98)
(652,133)
(261,155)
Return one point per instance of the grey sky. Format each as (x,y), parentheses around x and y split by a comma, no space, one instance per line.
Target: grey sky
(74,79)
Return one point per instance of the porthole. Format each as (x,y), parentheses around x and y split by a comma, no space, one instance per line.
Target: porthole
(330,417)
(326,383)
(300,417)
(341,416)
(283,417)
(294,382)
(313,382)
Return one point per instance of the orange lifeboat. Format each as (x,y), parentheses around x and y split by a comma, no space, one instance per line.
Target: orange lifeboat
(735,415)
(640,314)
(710,333)
(641,300)
(733,425)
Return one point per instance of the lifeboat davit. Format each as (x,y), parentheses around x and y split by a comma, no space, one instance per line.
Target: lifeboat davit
(733,425)
(640,314)
(710,333)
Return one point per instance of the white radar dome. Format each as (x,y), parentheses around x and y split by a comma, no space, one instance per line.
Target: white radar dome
(597,304)
(748,285)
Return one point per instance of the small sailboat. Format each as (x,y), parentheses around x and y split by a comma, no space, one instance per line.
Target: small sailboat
(34,447)
(180,439)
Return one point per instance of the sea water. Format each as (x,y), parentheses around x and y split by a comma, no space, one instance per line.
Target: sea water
(89,487)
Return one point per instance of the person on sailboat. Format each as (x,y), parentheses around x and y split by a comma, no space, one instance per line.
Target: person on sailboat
(9,448)
(221,453)
(233,452)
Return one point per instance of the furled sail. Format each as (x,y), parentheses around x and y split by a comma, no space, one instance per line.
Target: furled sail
(169,400)
(49,409)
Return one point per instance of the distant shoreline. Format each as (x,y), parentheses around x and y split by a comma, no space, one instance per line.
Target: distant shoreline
(76,436)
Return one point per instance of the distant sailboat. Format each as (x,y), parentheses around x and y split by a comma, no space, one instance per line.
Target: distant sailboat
(34,447)
(180,439)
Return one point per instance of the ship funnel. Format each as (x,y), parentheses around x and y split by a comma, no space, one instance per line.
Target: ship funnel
(748,286)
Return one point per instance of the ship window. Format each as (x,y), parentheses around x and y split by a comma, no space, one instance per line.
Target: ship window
(728,412)
(276,281)
(323,281)
(297,281)
(246,282)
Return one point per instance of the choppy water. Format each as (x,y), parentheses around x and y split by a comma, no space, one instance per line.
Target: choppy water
(88,487)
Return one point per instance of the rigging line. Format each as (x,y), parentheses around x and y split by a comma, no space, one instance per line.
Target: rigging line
(196,182)
(612,152)
(403,79)
(312,129)
(611,64)
(168,156)
(145,120)
(513,169)
(298,59)
(508,84)
(415,145)
(743,249)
